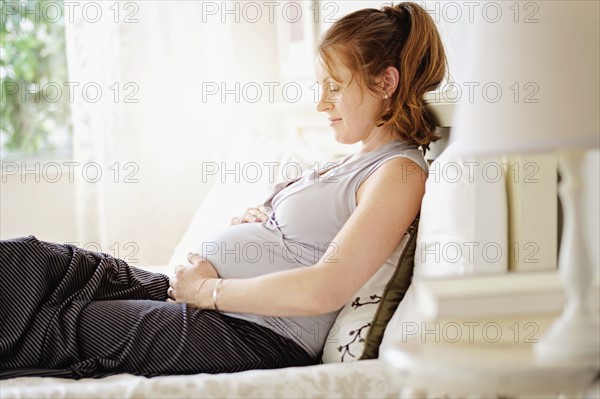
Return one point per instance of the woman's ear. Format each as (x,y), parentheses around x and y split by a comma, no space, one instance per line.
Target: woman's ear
(390,80)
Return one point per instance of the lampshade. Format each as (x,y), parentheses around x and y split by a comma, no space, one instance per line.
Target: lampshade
(531,79)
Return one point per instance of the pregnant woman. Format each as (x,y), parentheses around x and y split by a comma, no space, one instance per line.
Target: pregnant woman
(75,313)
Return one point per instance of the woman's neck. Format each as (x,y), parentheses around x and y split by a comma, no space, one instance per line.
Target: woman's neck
(376,140)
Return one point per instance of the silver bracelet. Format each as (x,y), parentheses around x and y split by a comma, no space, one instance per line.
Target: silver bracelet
(216,294)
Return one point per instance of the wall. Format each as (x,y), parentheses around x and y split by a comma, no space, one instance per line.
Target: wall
(44,209)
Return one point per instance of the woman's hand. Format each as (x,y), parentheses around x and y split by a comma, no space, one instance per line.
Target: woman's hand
(186,281)
(251,215)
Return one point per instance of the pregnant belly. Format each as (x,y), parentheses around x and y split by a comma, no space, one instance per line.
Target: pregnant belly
(253,249)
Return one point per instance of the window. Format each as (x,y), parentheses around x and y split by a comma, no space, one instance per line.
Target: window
(34,112)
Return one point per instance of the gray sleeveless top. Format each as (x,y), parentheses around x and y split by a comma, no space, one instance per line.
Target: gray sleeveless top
(304,217)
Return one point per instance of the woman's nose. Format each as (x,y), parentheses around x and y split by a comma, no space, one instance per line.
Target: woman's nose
(324,104)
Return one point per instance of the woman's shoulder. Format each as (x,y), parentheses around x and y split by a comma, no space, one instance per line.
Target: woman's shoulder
(398,156)
(394,174)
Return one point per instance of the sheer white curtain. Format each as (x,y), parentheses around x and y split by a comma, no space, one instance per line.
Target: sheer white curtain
(149,131)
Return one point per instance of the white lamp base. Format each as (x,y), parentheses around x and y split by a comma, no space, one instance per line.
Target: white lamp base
(572,337)
(575,335)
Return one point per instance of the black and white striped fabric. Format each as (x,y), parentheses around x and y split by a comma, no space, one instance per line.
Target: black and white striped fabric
(68,312)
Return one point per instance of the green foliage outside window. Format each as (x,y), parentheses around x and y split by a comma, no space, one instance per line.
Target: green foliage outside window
(34,101)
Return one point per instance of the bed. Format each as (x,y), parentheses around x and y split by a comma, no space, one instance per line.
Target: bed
(350,378)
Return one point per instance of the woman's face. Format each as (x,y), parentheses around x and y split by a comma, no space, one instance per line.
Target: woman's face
(352,111)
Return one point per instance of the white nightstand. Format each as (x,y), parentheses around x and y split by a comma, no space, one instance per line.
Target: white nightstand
(469,370)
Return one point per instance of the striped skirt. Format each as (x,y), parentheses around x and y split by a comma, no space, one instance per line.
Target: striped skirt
(68,312)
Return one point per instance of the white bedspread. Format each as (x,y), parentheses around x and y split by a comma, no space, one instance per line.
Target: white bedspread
(363,379)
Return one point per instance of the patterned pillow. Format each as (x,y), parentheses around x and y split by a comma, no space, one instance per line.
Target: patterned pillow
(358,329)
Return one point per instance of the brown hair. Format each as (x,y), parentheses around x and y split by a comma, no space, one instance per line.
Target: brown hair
(404,36)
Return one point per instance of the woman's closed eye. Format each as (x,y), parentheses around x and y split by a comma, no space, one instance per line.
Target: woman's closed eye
(333,87)
(330,86)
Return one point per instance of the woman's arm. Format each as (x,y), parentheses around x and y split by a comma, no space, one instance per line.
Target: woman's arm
(387,203)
